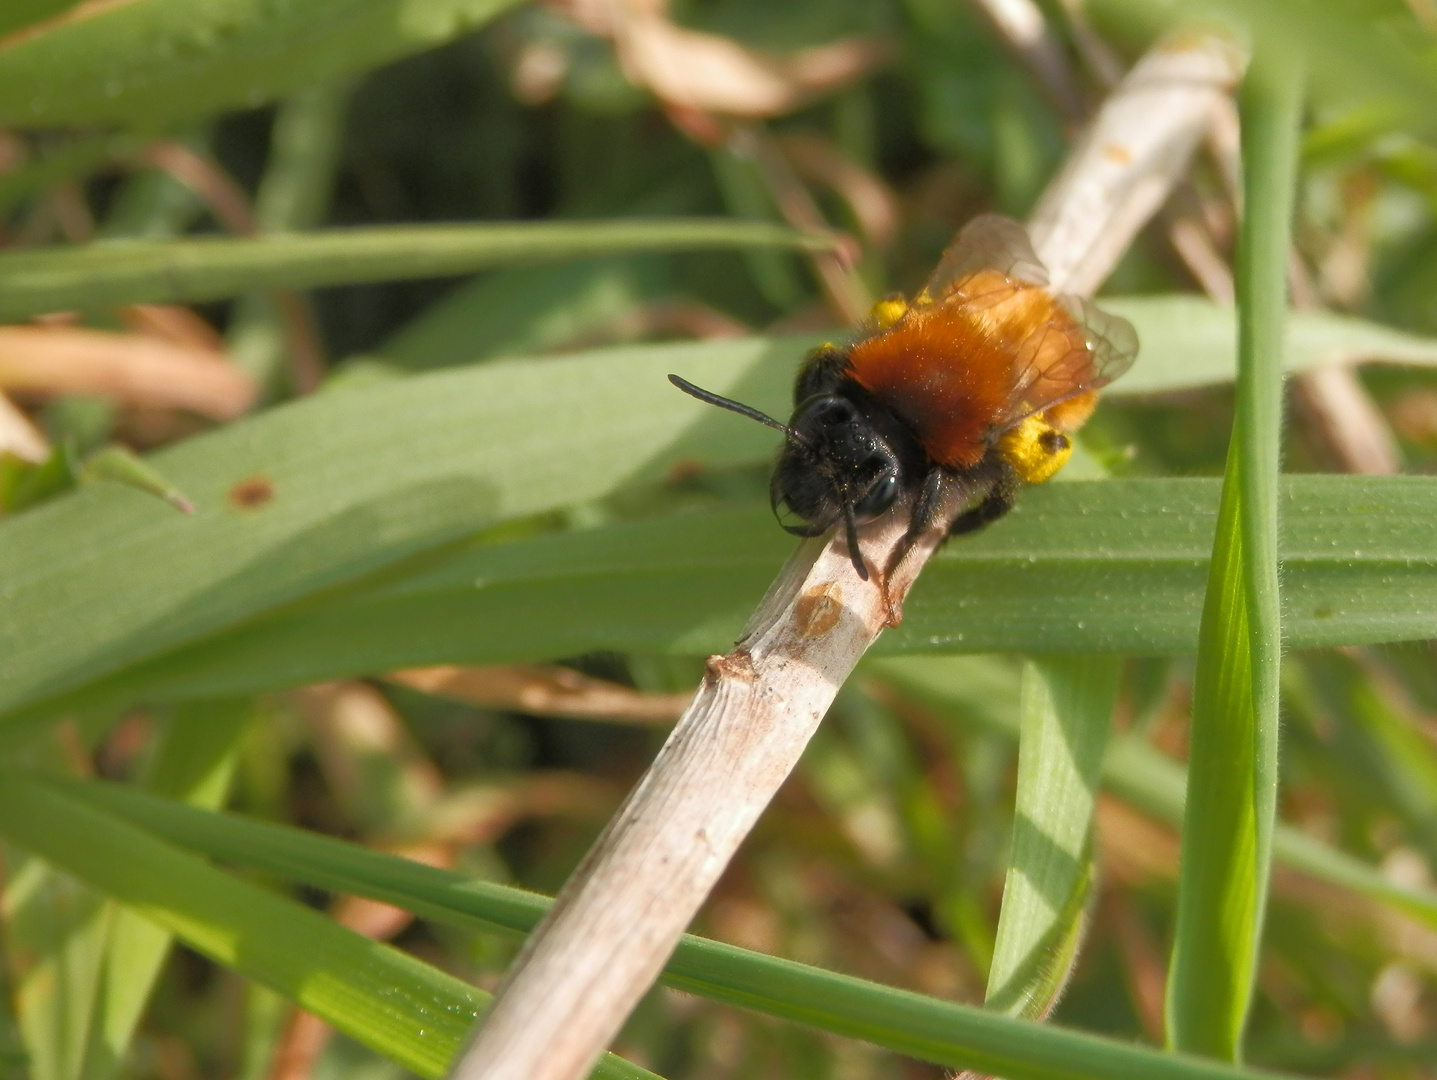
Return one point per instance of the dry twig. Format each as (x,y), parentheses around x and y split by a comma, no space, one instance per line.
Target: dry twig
(819,161)
(622,911)
(1021,24)
(1339,411)
(848,297)
(1126,163)
(709,73)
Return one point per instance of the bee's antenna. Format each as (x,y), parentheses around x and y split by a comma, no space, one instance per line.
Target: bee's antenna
(735,406)
(851,529)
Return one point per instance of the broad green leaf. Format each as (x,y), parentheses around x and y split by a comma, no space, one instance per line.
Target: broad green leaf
(417,465)
(315,494)
(1190,341)
(1227,829)
(525,309)
(410,1012)
(1114,566)
(102,275)
(1066,710)
(147,62)
(923,1027)
(21,13)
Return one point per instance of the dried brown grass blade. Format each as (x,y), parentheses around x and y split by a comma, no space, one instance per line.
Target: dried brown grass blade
(544,690)
(19,436)
(132,369)
(710,73)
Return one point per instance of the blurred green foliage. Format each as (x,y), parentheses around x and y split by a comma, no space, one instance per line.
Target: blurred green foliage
(489,468)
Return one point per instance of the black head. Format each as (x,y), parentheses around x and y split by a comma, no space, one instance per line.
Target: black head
(844,461)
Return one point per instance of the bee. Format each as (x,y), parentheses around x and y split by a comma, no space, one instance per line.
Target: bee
(946,405)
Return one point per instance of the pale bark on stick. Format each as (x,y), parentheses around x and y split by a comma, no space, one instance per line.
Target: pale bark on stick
(622,911)
(1126,163)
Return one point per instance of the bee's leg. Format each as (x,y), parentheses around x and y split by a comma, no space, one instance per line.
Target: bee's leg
(851,534)
(927,509)
(995,504)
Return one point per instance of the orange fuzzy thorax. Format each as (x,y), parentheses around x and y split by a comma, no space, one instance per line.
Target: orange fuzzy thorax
(950,368)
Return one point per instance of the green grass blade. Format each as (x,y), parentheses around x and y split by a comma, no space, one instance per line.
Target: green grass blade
(1066,710)
(77,158)
(406,1010)
(104,275)
(1111,566)
(294,193)
(194,763)
(984,689)
(1227,830)
(315,495)
(927,1028)
(98,580)
(147,64)
(1374,750)
(1157,785)
(121,465)
(55,937)
(1191,341)
(528,309)
(1353,52)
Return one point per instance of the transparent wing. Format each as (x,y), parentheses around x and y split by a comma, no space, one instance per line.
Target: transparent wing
(1079,348)
(1110,338)
(990,242)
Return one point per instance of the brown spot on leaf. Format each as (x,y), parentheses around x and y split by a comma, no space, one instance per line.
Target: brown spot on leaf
(251,493)
(683,471)
(818,610)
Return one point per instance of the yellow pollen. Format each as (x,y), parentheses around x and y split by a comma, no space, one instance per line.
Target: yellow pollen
(888,311)
(1035,449)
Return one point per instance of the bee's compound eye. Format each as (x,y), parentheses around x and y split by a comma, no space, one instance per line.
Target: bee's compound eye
(878,498)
